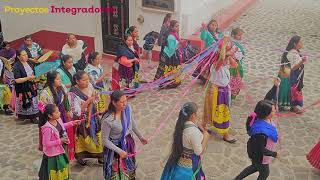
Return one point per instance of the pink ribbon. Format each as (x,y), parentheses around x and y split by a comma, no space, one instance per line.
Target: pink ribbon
(254,116)
(41,107)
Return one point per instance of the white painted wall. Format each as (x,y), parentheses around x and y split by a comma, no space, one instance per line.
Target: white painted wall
(152,18)
(196,12)
(189,13)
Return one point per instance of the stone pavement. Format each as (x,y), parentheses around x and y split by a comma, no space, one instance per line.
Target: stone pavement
(268,25)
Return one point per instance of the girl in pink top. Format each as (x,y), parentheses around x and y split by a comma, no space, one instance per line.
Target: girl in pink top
(55,163)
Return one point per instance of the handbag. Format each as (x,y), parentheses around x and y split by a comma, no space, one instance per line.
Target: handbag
(296,95)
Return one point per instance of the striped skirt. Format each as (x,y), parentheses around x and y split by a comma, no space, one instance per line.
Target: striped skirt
(216,108)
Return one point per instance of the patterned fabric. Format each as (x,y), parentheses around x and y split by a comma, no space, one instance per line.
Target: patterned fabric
(314,156)
(188,167)
(65,79)
(112,164)
(284,92)
(34,51)
(88,138)
(271,147)
(54,168)
(216,108)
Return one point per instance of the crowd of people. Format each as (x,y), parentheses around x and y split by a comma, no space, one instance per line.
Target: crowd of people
(78,121)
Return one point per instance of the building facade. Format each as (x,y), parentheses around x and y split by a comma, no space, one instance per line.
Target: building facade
(106,28)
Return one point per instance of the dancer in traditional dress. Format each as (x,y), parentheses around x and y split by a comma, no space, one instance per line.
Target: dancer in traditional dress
(98,78)
(210,34)
(55,163)
(170,60)
(291,74)
(25,88)
(263,138)
(125,71)
(165,30)
(83,99)
(237,73)
(118,125)
(188,145)
(218,95)
(55,93)
(66,71)
(133,31)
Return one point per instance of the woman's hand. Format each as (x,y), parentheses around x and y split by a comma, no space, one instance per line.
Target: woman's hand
(64,140)
(123,154)
(144,141)
(69,116)
(304,59)
(278,156)
(76,122)
(30,78)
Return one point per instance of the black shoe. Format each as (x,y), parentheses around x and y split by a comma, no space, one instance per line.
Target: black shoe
(82,162)
(100,161)
(34,121)
(8,112)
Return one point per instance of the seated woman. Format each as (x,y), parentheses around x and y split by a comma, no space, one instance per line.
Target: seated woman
(75,48)
(118,127)
(7,52)
(188,144)
(126,67)
(66,71)
(33,49)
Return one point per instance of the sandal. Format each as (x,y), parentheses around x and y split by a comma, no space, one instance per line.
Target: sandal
(232,141)
(100,161)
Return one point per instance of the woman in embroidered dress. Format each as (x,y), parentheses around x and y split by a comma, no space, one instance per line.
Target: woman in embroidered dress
(164,31)
(98,78)
(170,60)
(55,93)
(188,144)
(218,95)
(83,97)
(117,128)
(133,31)
(263,138)
(66,71)
(25,88)
(5,82)
(125,71)
(291,74)
(237,73)
(210,34)
(55,163)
